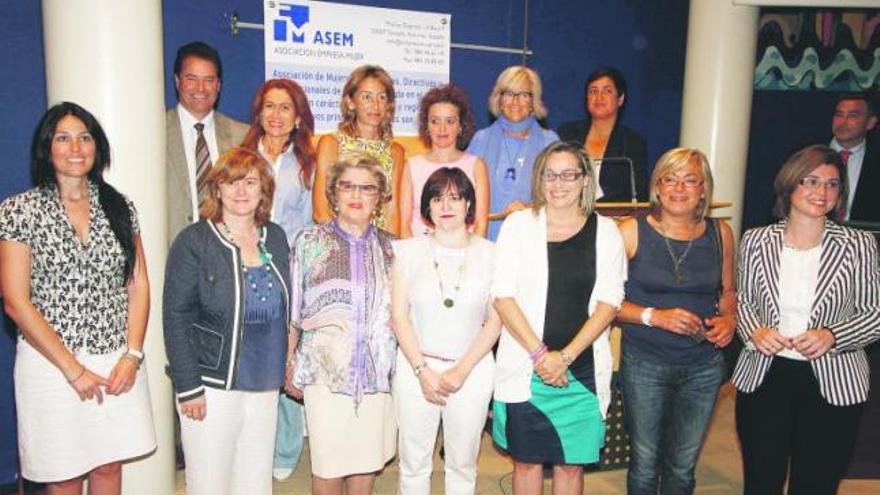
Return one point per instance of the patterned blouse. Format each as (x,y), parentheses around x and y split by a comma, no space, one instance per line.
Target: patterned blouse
(380,150)
(341,305)
(78,288)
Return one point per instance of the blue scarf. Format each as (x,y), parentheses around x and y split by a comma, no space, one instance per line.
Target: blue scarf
(510,161)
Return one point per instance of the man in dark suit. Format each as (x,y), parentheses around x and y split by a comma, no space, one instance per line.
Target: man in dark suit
(196,134)
(854,117)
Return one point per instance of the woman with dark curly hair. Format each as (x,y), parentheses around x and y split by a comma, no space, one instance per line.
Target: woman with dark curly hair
(446,126)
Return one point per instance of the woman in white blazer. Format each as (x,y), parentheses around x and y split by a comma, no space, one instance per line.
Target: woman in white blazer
(808,304)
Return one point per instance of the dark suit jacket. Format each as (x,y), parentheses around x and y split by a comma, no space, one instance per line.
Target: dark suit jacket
(866,199)
(614,178)
(229,132)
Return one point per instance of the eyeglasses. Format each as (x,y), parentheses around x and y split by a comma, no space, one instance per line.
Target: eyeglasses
(811,182)
(350,187)
(565,175)
(516,95)
(689,182)
(370,97)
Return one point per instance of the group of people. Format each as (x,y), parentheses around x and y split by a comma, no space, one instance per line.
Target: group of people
(285,275)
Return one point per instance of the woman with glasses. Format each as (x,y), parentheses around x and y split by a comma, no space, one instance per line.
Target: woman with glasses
(510,145)
(345,345)
(446,126)
(367,115)
(558,282)
(680,310)
(608,142)
(809,296)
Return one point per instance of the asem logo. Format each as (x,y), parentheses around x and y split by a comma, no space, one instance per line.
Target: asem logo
(299,17)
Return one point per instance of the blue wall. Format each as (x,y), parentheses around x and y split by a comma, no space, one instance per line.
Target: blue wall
(645,38)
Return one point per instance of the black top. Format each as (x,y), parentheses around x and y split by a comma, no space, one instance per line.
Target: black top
(866,202)
(614,174)
(572,274)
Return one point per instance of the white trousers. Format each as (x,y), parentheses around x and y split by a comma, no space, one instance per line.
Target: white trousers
(230,451)
(463,416)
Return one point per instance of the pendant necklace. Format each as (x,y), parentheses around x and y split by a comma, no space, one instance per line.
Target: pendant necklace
(449,300)
(677,261)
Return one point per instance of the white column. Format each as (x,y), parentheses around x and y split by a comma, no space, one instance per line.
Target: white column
(107,57)
(717,99)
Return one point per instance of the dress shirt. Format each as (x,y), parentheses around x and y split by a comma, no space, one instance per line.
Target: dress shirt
(853,169)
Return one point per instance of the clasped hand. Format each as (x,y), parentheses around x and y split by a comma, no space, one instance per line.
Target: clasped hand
(551,369)
(812,344)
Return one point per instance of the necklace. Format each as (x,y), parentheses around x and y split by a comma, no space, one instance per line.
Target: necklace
(449,301)
(677,261)
(265,255)
(512,170)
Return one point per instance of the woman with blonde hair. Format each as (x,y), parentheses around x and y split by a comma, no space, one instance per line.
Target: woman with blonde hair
(510,145)
(679,312)
(367,108)
(343,337)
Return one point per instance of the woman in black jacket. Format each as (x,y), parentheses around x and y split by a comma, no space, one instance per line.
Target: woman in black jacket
(226,314)
(610,145)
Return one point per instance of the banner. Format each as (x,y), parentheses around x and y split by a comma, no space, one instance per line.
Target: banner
(317,44)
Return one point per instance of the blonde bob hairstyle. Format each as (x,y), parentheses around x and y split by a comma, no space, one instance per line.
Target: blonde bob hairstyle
(365,162)
(348,125)
(671,162)
(588,193)
(516,75)
(231,166)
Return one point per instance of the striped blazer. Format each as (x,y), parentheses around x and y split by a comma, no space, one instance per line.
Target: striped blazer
(846,302)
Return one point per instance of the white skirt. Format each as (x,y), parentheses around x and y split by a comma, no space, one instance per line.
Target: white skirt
(61,437)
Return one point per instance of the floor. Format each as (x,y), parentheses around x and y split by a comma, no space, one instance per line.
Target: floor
(718,473)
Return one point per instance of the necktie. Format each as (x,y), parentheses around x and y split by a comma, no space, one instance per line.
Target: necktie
(203,162)
(844,157)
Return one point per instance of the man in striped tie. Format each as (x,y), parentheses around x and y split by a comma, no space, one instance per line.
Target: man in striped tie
(854,117)
(196,133)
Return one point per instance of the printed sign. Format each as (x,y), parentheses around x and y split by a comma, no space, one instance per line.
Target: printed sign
(318,44)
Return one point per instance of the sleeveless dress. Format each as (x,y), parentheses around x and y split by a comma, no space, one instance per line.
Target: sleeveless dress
(379,149)
(420,168)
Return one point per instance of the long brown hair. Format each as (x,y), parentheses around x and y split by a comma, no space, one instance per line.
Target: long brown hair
(301,137)
(348,125)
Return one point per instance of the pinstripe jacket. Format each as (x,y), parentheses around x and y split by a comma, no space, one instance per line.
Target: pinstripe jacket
(846,302)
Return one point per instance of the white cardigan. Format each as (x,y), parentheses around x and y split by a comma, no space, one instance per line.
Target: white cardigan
(521,272)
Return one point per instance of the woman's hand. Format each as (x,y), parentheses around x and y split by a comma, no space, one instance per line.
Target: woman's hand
(430,382)
(720,330)
(769,341)
(813,343)
(677,320)
(452,379)
(515,205)
(289,388)
(88,386)
(123,376)
(551,368)
(195,409)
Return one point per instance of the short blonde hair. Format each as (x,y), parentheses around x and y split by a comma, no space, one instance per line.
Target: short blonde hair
(513,76)
(674,160)
(363,161)
(231,166)
(348,125)
(588,194)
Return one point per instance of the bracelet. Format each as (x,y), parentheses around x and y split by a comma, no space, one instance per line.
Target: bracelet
(133,359)
(136,353)
(538,353)
(647,313)
(82,371)
(417,369)
(565,358)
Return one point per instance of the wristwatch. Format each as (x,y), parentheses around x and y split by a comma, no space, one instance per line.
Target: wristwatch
(647,313)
